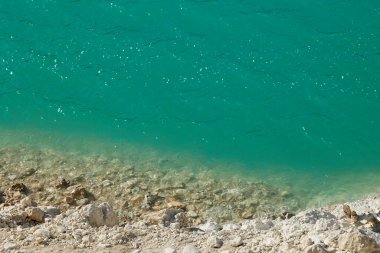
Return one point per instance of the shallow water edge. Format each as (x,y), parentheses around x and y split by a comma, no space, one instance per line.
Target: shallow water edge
(140,180)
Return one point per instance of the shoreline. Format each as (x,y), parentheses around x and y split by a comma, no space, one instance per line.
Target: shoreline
(55,202)
(26,226)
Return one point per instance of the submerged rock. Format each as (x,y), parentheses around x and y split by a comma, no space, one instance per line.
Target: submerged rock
(20,187)
(61,183)
(170,215)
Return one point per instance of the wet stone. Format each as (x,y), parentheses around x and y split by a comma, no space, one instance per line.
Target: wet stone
(20,187)
(78,192)
(61,183)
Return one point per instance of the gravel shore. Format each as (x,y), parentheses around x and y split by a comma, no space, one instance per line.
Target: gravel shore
(28,227)
(46,205)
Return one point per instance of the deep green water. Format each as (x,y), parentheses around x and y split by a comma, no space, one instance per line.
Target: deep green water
(282,88)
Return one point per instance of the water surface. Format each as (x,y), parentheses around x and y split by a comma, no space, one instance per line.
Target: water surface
(286,92)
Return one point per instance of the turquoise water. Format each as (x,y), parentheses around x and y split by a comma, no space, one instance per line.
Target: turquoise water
(284,89)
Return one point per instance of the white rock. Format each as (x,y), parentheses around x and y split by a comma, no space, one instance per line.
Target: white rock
(263,225)
(100,216)
(60,229)
(87,238)
(107,183)
(312,216)
(236,241)
(190,249)
(170,250)
(325,224)
(210,226)
(104,245)
(355,240)
(12,177)
(229,227)
(255,224)
(192,214)
(316,248)
(305,242)
(10,246)
(42,233)
(102,237)
(214,242)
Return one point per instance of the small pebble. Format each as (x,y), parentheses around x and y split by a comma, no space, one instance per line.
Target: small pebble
(214,242)
(236,241)
(190,249)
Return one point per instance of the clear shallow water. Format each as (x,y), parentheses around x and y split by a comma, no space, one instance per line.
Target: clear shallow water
(288,91)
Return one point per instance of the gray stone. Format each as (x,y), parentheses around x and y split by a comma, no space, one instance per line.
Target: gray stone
(190,249)
(229,227)
(93,214)
(100,215)
(169,215)
(219,214)
(214,242)
(109,215)
(82,202)
(182,219)
(50,211)
(27,201)
(255,224)
(42,233)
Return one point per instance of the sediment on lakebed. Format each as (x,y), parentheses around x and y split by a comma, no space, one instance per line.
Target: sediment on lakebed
(137,189)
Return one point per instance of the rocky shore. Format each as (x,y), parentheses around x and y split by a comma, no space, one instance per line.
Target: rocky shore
(27,227)
(55,203)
